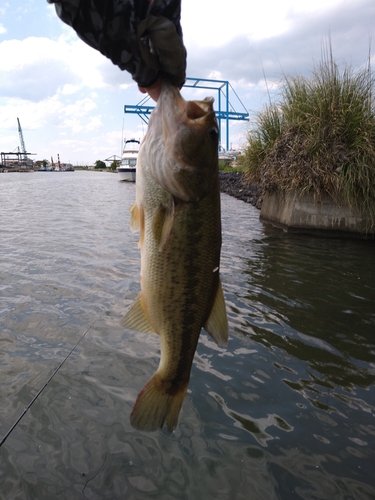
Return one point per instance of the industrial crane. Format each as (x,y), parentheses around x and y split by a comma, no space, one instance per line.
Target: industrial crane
(221,86)
(23,147)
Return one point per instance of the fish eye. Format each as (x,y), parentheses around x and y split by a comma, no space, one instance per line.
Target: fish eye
(213,133)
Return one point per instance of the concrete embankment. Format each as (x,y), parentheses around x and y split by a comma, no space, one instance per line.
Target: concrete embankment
(307,214)
(295,214)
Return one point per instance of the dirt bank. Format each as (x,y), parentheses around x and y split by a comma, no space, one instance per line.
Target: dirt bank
(232,183)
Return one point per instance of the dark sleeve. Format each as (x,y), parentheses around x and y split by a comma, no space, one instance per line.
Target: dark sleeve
(140,36)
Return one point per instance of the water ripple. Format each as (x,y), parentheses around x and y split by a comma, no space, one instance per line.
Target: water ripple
(286,411)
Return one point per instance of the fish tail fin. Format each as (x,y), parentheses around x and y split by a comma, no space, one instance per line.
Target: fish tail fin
(155,407)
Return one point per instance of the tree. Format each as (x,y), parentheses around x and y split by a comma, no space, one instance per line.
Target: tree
(100,164)
(114,165)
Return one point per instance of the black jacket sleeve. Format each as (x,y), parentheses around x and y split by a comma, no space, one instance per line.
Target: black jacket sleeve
(143,37)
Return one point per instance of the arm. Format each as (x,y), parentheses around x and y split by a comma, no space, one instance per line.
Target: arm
(139,36)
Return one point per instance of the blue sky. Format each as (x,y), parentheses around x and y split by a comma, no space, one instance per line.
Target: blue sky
(69,98)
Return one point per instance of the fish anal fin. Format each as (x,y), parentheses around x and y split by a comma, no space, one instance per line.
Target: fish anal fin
(136,318)
(217,323)
(155,407)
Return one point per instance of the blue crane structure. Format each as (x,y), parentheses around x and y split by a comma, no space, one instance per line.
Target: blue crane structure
(225,111)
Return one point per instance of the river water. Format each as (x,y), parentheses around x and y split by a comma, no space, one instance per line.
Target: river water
(285,412)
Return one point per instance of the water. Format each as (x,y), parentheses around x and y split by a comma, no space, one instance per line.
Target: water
(286,412)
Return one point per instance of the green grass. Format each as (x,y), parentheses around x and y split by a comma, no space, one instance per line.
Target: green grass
(225,167)
(319,137)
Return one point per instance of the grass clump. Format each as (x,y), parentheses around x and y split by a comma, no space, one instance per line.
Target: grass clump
(319,137)
(225,167)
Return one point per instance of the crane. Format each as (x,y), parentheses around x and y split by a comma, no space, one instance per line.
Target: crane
(222,87)
(23,147)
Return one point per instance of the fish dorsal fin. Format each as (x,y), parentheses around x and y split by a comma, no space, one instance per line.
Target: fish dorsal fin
(169,216)
(217,323)
(136,318)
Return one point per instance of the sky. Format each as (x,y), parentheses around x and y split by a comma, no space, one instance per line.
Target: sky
(70,99)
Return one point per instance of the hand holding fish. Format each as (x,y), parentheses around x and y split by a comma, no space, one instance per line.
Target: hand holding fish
(139,36)
(153,90)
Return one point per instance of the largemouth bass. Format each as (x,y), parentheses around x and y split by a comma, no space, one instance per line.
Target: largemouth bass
(177,211)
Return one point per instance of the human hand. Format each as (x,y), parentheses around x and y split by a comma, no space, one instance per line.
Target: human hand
(162,50)
(153,90)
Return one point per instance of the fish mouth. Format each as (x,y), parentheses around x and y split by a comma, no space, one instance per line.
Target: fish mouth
(189,132)
(196,110)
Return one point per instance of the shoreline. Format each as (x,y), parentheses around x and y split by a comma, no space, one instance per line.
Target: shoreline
(232,183)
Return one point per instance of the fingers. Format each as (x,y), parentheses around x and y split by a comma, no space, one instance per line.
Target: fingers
(153,90)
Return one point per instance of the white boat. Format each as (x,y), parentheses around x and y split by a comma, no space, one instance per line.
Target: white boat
(128,165)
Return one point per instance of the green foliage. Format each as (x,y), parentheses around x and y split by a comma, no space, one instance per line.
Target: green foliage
(81,167)
(230,167)
(99,164)
(113,165)
(268,128)
(319,137)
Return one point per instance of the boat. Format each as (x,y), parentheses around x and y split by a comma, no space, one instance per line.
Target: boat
(228,156)
(128,165)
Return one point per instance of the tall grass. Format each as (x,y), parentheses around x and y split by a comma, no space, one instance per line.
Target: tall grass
(319,137)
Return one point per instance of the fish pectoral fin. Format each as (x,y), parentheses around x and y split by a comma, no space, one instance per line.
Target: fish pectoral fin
(134,218)
(136,318)
(137,221)
(217,323)
(169,213)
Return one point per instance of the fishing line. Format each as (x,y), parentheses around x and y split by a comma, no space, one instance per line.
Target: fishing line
(42,389)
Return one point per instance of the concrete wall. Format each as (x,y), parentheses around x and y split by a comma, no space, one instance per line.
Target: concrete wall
(295,213)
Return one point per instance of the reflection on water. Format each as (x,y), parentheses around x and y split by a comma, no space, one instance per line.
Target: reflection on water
(286,412)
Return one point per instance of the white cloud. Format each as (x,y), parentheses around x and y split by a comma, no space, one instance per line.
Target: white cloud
(37,67)
(69,89)
(33,115)
(76,116)
(215,27)
(294,50)
(94,123)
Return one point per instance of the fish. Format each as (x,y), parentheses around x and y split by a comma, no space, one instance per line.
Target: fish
(177,212)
